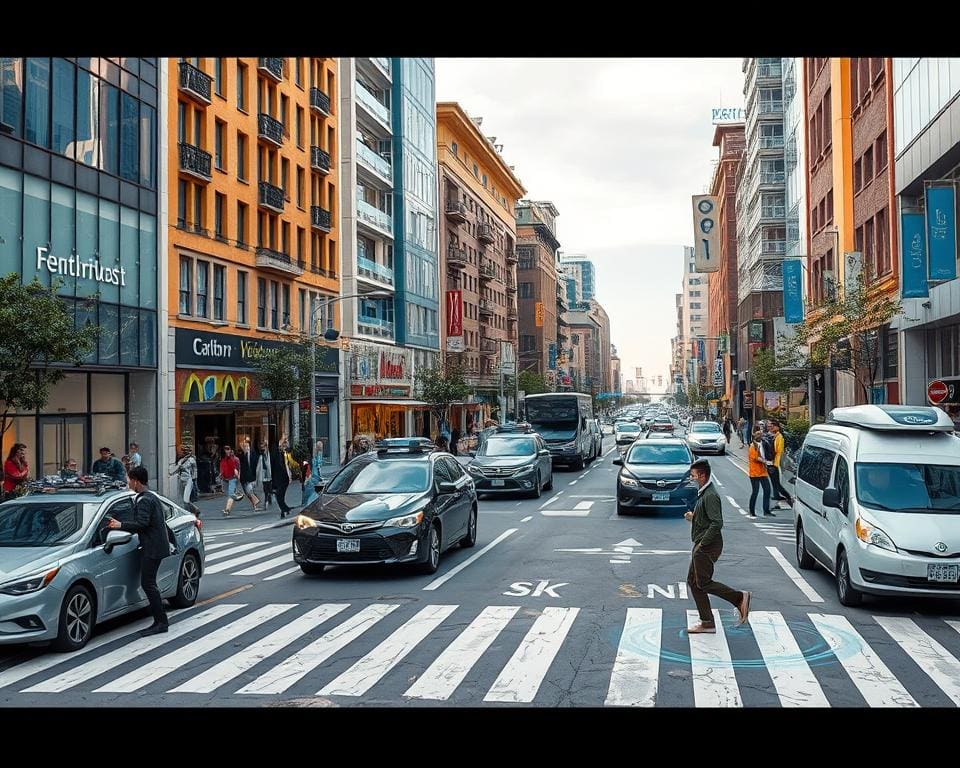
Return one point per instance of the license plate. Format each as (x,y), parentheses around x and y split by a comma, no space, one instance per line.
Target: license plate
(661,496)
(348,545)
(936,572)
(497,483)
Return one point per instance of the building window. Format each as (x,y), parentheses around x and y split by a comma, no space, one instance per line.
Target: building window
(181,203)
(884,264)
(891,352)
(241,157)
(286,305)
(219,282)
(858,175)
(241,223)
(186,285)
(203,287)
(274,305)
(301,186)
(455,149)
(528,343)
(219,132)
(242,298)
(525,290)
(219,217)
(298,65)
(881,151)
(261,303)
(218,76)
(198,217)
(299,126)
(241,87)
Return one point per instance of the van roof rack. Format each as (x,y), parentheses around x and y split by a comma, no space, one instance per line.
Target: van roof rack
(893,418)
(93,484)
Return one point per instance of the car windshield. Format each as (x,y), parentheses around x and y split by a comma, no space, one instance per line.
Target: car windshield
(627,428)
(909,487)
(39,524)
(704,427)
(508,446)
(381,477)
(658,453)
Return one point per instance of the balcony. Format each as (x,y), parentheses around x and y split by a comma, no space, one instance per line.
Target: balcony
(195,83)
(456,257)
(486,307)
(773,212)
(195,161)
(511,283)
(320,218)
(771,142)
(767,71)
(271,66)
(383,64)
(370,269)
(275,261)
(375,162)
(770,107)
(320,101)
(511,255)
(456,211)
(488,271)
(375,326)
(485,233)
(371,216)
(511,313)
(320,160)
(771,177)
(773,247)
(373,106)
(488,347)
(269,129)
(271,197)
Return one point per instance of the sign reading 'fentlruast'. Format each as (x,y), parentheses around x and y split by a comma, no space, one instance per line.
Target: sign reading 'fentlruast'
(74,266)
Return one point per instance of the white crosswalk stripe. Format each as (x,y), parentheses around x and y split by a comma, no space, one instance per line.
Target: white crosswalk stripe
(228,565)
(269,565)
(287,572)
(217,649)
(235,550)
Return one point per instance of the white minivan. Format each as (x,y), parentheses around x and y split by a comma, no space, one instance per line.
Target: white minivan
(877,501)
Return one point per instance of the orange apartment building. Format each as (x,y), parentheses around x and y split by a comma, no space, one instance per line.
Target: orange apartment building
(252,242)
(478,234)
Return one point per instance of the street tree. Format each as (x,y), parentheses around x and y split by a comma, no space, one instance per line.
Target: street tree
(440,386)
(285,373)
(532,383)
(38,340)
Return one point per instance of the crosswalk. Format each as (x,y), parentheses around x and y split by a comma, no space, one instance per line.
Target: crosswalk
(507,654)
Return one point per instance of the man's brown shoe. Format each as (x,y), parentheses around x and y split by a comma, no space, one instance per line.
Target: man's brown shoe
(702,629)
(744,607)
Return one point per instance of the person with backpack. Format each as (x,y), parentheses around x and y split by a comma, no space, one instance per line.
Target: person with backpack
(186,471)
(775,449)
(759,480)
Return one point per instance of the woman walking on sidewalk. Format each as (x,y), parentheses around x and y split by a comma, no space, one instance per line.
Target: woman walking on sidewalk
(758,475)
(742,431)
(186,472)
(229,473)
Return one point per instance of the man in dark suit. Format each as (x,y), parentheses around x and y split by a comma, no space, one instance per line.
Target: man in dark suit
(149,525)
(248,472)
(280,477)
(707,519)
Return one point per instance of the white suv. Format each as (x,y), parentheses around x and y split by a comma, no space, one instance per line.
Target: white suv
(878,502)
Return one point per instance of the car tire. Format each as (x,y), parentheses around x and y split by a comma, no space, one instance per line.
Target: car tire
(433,552)
(804,559)
(722,451)
(77,619)
(621,510)
(549,485)
(471,538)
(578,464)
(535,493)
(847,594)
(312,569)
(188,582)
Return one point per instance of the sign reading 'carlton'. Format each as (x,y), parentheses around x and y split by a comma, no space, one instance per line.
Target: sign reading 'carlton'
(91,269)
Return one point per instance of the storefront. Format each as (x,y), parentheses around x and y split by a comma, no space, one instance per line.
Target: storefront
(381,386)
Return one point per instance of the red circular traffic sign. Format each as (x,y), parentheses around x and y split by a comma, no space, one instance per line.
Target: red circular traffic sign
(937,391)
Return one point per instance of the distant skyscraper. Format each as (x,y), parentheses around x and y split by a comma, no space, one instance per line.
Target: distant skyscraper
(581,277)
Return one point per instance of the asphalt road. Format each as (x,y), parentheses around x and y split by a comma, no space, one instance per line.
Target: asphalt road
(560,603)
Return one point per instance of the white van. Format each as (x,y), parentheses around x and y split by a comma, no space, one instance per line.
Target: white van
(877,501)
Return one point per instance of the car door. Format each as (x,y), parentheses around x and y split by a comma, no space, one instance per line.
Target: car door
(835,519)
(807,506)
(544,461)
(169,570)
(820,473)
(117,573)
(463,502)
(446,503)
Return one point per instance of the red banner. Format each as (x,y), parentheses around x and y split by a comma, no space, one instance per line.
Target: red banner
(454,313)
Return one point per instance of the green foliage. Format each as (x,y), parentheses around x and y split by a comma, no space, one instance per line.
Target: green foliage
(285,371)
(765,375)
(440,386)
(37,334)
(798,428)
(681,399)
(532,383)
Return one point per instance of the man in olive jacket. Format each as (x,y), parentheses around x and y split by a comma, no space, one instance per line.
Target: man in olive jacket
(149,525)
(707,519)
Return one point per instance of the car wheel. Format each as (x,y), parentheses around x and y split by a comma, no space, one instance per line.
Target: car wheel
(621,510)
(535,493)
(433,551)
(722,451)
(549,485)
(312,569)
(578,464)
(804,559)
(188,585)
(471,538)
(846,592)
(77,617)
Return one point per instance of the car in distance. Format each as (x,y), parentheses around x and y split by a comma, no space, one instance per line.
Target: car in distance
(706,437)
(655,475)
(512,463)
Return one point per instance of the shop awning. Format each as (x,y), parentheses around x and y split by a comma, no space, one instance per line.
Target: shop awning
(387,401)
(233,405)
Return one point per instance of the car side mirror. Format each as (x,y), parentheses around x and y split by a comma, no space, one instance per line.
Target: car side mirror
(445,487)
(115,538)
(831,498)
(618,462)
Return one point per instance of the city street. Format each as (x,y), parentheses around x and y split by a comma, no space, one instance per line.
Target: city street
(560,603)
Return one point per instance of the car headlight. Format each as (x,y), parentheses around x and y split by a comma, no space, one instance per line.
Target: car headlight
(30,584)
(870,534)
(629,482)
(305,522)
(526,470)
(405,521)
(473,470)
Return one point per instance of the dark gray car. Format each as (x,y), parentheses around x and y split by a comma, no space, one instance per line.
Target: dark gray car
(62,571)
(512,463)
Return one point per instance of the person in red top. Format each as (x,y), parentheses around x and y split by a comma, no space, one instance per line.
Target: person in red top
(15,470)
(229,473)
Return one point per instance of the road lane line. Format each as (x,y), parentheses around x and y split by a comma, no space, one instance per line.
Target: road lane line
(234,551)
(635,675)
(714,683)
(877,684)
(794,575)
(226,565)
(791,675)
(551,499)
(742,469)
(583,505)
(572,482)
(217,545)
(527,519)
(269,565)
(473,558)
(283,573)
(938,663)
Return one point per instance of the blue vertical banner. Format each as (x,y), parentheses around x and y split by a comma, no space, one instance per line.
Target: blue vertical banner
(942,232)
(701,351)
(552,357)
(793,291)
(913,256)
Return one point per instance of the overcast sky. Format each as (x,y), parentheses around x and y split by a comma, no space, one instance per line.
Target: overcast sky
(619,146)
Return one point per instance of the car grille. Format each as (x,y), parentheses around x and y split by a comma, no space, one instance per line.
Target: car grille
(497,471)
(913,582)
(937,555)
(653,486)
(371,548)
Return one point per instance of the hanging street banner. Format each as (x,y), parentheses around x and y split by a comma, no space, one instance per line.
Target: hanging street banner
(793,291)
(913,256)
(718,372)
(455,321)
(942,231)
(706,233)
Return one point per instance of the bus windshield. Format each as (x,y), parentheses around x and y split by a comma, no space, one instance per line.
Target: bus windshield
(556,418)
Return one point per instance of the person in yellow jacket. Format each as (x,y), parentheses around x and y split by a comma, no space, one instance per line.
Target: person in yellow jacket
(773,469)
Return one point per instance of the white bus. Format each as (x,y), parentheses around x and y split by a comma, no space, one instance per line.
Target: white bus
(561,420)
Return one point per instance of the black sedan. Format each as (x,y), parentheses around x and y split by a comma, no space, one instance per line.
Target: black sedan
(388,507)
(511,464)
(655,475)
